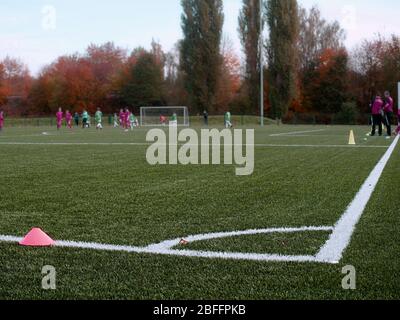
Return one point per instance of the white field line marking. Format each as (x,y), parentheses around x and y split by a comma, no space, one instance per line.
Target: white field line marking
(316,136)
(10,239)
(21,136)
(43,134)
(51,134)
(295,132)
(148,144)
(75,143)
(331,252)
(318,146)
(334,248)
(166,247)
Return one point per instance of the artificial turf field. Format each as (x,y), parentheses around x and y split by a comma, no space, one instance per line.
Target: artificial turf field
(93,186)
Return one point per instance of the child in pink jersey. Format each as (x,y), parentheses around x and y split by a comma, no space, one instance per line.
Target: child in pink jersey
(68,119)
(59,116)
(398,121)
(126,120)
(1,120)
(122,118)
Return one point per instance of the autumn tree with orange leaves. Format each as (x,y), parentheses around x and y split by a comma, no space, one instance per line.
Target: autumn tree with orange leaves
(78,82)
(106,62)
(15,85)
(72,83)
(318,38)
(3,92)
(327,88)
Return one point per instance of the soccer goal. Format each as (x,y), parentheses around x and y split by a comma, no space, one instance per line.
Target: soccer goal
(164,116)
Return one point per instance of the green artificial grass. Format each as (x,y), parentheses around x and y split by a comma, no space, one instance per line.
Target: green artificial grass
(304,243)
(109,194)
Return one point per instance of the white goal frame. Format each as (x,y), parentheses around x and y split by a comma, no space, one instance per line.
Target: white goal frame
(185,115)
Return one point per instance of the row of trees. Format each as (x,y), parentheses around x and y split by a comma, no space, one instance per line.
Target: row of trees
(105,76)
(308,68)
(15,83)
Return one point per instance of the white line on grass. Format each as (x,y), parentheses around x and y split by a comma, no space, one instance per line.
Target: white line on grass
(148,144)
(167,247)
(334,248)
(318,146)
(10,239)
(43,134)
(331,252)
(74,144)
(295,132)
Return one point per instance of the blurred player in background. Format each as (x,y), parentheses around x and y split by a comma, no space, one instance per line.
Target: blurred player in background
(174,120)
(59,116)
(68,119)
(122,118)
(205,116)
(116,120)
(388,113)
(98,117)
(228,120)
(89,120)
(133,121)
(126,118)
(1,120)
(163,120)
(85,119)
(76,119)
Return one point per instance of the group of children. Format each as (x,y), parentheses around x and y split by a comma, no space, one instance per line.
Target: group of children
(85,119)
(382,114)
(125,119)
(60,117)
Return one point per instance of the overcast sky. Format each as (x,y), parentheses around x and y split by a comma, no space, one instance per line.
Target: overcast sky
(38,31)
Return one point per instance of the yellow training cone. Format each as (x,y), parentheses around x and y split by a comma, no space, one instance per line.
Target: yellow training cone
(352,140)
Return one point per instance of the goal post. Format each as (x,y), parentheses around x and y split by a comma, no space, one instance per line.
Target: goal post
(164,116)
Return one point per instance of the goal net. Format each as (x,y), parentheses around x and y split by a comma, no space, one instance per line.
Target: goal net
(164,116)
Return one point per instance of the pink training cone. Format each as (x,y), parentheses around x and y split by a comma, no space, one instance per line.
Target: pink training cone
(37,238)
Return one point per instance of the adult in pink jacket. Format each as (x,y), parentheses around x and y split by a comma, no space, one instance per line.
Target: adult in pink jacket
(377,111)
(398,121)
(388,109)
